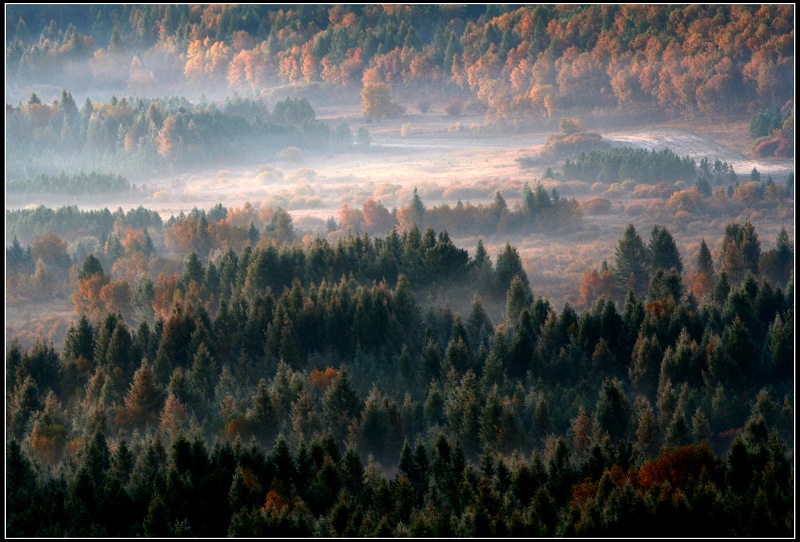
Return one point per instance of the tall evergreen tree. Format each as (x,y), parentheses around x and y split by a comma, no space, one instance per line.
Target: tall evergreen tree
(632,267)
(508,266)
(663,251)
(705,263)
(750,248)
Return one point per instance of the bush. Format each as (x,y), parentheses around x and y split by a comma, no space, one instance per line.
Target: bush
(687,200)
(635,209)
(682,218)
(575,143)
(766,148)
(596,206)
(661,190)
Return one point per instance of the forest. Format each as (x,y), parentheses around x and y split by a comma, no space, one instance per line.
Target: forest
(510,59)
(400,270)
(509,63)
(310,369)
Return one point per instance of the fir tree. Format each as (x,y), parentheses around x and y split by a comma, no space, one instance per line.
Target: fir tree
(632,267)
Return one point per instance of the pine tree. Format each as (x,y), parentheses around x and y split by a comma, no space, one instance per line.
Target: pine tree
(581,430)
(664,252)
(779,350)
(647,437)
(142,298)
(479,325)
(678,430)
(750,248)
(632,267)
(739,349)
(341,403)
(508,266)
(701,427)
(289,348)
(705,263)
(518,298)
(491,419)
(429,361)
(115,43)
(145,399)
(665,285)
(721,290)
(481,259)
(79,341)
(613,409)
(203,375)
(777,263)
(493,373)
(119,356)
(194,270)
(521,356)
(433,408)
(253,234)
(457,356)
(24,402)
(91,267)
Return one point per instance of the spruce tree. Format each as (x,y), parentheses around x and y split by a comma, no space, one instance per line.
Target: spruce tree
(632,263)
(664,252)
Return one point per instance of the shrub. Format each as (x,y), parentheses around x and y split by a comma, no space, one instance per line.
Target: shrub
(635,209)
(661,190)
(683,218)
(598,188)
(596,206)
(766,148)
(686,200)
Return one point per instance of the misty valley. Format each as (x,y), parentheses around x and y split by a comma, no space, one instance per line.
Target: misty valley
(400,271)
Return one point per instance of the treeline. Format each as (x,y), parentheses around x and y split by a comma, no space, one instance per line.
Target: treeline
(140,243)
(72,223)
(510,61)
(537,211)
(653,166)
(656,268)
(81,183)
(154,489)
(144,135)
(432,262)
(626,409)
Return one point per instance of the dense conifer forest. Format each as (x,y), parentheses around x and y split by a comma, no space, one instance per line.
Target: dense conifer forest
(308,391)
